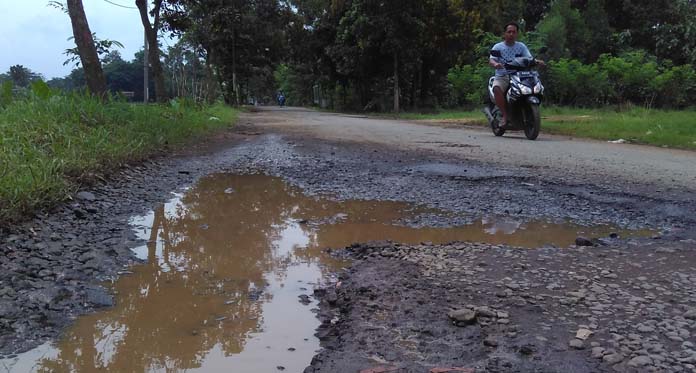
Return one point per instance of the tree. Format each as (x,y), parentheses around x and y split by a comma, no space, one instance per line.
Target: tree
(599,32)
(151,31)
(564,31)
(22,76)
(94,74)
(243,40)
(122,75)
(189,75)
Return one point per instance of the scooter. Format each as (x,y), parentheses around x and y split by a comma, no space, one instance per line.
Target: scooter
(523,99)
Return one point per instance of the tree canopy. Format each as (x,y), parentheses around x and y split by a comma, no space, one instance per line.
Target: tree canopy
(368,54)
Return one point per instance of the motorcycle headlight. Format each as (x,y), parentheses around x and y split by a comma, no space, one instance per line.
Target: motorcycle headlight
(538,88)
(525,90)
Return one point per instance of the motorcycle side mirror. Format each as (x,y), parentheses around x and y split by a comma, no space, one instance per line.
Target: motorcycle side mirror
(495,53)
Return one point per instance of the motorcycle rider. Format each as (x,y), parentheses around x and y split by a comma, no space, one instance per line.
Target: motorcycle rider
(509,49)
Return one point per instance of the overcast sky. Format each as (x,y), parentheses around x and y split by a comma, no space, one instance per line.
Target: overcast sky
(35,35)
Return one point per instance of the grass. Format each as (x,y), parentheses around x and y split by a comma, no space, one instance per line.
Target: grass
(49,145)
(674,129)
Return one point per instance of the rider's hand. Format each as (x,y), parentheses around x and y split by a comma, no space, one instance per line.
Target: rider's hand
(498,65)
(541,63)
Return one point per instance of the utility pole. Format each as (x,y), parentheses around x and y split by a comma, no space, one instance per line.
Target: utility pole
(146,58)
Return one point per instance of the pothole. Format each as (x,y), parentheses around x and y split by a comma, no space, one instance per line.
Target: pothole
(231,266)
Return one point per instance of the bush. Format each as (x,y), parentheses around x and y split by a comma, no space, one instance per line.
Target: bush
(468,84)
(675,87)
(634,78)
(569,82)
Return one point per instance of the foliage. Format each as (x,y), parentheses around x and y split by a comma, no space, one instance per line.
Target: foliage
(20,76)
(189,73)
(468,84)
(353,54)
(104,49)
(634,78)
(242,40)
(569,82)
(6,96)
(50,142)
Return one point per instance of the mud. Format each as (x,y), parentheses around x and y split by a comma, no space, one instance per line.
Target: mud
(52,265)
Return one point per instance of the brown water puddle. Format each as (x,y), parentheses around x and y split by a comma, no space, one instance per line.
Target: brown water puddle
(227,261)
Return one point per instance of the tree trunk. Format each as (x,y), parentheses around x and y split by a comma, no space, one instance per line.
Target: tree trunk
(235,85)
(94,75)
(396,82)
(154,57)
(209,81)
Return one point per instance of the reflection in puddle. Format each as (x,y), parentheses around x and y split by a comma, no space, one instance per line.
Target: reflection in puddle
(226,262)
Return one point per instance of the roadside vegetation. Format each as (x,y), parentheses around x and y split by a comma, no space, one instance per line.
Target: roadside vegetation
(50,142)
(667,128)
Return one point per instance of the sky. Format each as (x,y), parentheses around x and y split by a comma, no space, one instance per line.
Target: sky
(35,35)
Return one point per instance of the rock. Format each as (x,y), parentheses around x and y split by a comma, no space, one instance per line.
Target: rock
(86,196)
(646,329)
(598,352)
(484,311)
(98,297)
(640,361)
(331,297)
(463,316)
(583,334)
(690,314)
(304,299)
(7,291)
(612,359)
(527,349)
(80,214)
(490,342)
(577,294)
(582,241)
(8,310)
(576,344)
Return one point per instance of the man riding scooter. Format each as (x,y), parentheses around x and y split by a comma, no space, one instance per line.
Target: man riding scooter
(508,50)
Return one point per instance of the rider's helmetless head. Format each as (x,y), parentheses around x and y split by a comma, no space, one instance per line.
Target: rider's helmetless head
(511,31)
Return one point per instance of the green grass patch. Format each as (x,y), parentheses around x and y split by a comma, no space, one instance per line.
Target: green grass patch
(674,129)
(49,144)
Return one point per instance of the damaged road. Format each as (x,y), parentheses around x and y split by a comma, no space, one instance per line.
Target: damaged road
(399,306)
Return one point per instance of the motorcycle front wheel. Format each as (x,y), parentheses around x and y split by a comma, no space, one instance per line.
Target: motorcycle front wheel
(532,122)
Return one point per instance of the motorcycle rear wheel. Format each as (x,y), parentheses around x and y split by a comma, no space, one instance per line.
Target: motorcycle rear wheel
(532,122)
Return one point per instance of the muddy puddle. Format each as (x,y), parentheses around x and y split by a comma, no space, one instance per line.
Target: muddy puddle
(228,262)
